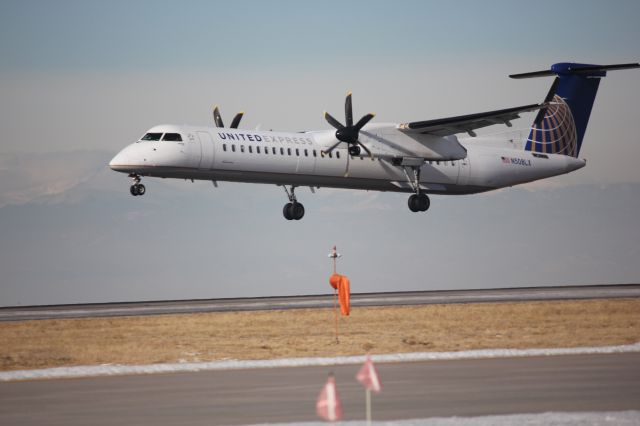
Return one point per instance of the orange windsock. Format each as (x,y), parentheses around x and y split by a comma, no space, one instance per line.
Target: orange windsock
(341,283)
(344,296)
(334,280)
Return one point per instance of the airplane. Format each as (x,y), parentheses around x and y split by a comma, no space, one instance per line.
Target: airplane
(419,157)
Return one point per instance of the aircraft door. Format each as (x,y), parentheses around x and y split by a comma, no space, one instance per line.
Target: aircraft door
(463,171)
(207,152)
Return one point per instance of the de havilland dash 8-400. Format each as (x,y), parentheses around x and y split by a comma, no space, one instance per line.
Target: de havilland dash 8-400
(420,157)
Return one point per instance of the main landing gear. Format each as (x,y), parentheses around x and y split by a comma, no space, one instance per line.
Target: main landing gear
(418,202)
(137,188)
(293,210)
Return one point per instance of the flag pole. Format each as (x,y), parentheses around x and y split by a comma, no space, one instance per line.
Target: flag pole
(368,407)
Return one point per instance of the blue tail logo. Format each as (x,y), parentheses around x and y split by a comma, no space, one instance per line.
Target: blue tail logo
(556,133)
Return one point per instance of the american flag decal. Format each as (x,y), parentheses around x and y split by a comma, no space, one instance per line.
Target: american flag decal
(556,133)
(506,160)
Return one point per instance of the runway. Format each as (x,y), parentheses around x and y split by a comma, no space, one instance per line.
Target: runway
(317,301)
(411,390)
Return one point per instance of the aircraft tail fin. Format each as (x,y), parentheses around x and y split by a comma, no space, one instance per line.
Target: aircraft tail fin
(560,128)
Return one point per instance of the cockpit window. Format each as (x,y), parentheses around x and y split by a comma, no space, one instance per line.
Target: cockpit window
(151,137)
(174,137)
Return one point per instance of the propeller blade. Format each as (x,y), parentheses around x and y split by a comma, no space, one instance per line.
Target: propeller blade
(365,148)
(326,151)
(364,120)
(335,123)
(236,120)
(348,110)
(346,170)
(217,118)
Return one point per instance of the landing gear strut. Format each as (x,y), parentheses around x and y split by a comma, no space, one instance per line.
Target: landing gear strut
(418,202)
(293,210)
(137,188)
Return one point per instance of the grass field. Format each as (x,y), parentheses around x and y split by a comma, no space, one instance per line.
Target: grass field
(310,332)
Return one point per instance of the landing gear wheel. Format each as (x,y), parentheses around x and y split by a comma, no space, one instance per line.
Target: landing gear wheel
(413,203)
(137,189)
(354,151)
(419,203)
(423,202)
(293,211)
(286,211)
(298,211)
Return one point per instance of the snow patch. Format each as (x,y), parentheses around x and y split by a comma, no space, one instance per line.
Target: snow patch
(181,367)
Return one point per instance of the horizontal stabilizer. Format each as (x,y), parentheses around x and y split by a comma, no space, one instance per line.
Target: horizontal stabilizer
(565,68)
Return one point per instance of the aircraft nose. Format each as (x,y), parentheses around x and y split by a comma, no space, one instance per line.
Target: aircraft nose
(118,161)
(125,160)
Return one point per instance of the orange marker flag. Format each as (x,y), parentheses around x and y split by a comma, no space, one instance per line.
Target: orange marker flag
(328,406)
(342,284)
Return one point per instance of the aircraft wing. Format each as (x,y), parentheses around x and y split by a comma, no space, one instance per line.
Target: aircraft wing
(468,123)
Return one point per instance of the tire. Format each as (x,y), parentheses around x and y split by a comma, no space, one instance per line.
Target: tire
(133,190)
(297,211)
(413,203)
(423,202)
(287,210)
(354,151)
(141,189)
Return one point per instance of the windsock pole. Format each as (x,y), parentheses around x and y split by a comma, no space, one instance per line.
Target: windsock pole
(335,312)
(334,255)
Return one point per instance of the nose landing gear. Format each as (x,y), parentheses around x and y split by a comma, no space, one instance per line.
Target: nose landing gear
(293,210)
(137,188)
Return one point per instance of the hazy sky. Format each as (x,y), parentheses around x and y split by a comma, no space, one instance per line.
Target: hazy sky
(80,79)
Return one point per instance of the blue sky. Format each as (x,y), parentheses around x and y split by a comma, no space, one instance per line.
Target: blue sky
(80,80)
(74,36)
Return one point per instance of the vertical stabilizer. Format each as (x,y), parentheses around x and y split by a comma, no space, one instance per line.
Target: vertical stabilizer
(560,128)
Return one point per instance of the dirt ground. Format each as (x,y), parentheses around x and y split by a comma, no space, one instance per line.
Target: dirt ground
(310,332)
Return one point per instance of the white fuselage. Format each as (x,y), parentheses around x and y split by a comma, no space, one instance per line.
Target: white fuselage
(220,154)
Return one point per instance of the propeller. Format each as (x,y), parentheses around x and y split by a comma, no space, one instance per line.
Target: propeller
(349,134)
(217,118)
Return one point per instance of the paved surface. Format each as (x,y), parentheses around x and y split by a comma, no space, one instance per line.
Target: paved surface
(321,301)
(411,390)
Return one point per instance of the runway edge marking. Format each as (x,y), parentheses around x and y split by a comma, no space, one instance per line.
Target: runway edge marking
(121,370)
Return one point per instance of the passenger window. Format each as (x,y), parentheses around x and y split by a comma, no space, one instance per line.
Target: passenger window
(233,148)
(306,153)
(289,151)
(241,148)
(322,154)
(173,137)
(330,154)
(151,137)
(250,149)
(297,153)
(281,151)
(273,150)
(224,147)
(314,153)
(337,154)
(257,150)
